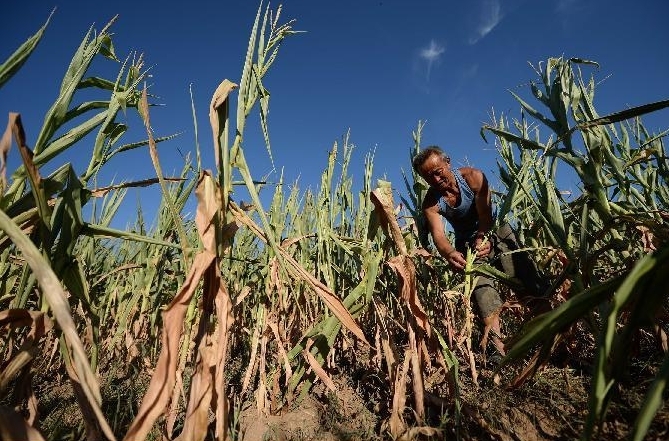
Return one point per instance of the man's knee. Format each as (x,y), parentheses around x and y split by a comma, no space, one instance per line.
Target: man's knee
(506,237)
(487,299)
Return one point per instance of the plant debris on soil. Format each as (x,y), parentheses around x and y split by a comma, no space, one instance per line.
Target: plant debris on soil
(552,405)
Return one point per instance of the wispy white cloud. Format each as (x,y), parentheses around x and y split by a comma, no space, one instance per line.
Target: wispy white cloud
(491,15)
(431,54)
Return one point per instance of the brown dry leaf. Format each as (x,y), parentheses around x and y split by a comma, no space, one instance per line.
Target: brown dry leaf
(417,375)
(648,239)
(15,127)
(422,252)
(22,358)
(406,271)
(271,322)
(223,305)
(396,422)
(33,411)
(327,295)
(26,153)
(39,323)
(378,355)
(382,198)
(242,295)
(201,390)
(14,428)
(317,368)
(220,340)
(5,146)
(162,382)
(275,280)
(390,355)
(486,332)
(255,341)
(469,353)
(207,387)
(536,362)
(211,356)
(219,98)
(172,413)
(527,372)
(208,195)
(130,346)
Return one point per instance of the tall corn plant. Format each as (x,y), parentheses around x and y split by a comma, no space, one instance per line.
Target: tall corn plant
(42,216)
(613,235)
(219,217)
(329,247)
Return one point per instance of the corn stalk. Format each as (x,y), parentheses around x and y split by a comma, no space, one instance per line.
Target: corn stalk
(612,235)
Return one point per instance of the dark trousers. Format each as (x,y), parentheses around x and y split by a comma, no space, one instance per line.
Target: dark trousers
(518,265)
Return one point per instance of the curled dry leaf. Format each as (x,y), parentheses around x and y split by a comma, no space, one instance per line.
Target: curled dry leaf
(396,423)
(317,368)
(212,342)
(219,99)
(406,271)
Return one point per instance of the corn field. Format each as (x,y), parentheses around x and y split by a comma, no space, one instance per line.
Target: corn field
(172,331)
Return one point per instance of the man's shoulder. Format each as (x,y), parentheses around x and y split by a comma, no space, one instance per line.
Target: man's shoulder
(470,171)
(473,176)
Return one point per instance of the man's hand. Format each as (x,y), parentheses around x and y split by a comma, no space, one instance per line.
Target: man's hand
(482,246)
(456,260)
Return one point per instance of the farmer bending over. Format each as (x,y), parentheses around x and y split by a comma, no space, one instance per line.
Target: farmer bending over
(462,197)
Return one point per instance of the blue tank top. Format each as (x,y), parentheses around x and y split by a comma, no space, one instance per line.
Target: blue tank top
(464,219)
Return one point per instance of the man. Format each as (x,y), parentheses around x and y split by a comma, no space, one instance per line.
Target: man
(462,197)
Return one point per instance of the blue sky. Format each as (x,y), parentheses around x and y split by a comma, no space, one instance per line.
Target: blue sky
(372,67)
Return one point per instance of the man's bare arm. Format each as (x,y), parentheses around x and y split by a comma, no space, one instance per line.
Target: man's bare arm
(436,227)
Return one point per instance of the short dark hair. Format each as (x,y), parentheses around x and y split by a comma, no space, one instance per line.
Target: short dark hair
(422,156)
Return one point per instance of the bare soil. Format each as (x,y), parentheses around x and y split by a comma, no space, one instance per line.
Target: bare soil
(552,405)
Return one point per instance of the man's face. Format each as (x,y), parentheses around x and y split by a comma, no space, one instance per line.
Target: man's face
(436,171)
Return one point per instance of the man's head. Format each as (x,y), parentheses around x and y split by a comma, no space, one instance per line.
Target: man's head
(435,167)
(421,158)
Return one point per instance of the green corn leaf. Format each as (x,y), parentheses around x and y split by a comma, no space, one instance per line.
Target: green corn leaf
(79,65)
(12,65)
(636,281)
(102,231)
(55,297)
(544,327)
(71,137)
(529,109)
(653,401)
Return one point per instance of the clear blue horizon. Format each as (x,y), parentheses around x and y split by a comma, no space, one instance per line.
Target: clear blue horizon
(374,68)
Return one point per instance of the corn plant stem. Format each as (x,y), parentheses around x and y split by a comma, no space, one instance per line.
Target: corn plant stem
(55,298)
(186,249)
